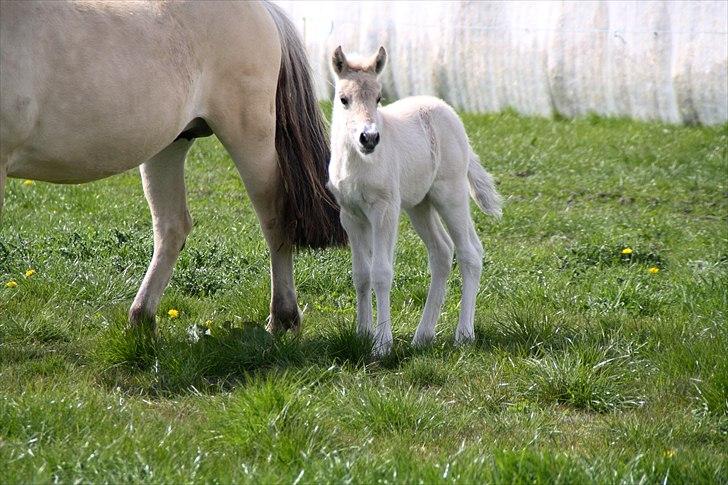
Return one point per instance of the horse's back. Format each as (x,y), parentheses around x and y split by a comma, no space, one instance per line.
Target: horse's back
(90,89)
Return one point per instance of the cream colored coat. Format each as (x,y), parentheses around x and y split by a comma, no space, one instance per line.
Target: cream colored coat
(91,89)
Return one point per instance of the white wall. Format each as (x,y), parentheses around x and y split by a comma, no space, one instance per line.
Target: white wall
(642,59)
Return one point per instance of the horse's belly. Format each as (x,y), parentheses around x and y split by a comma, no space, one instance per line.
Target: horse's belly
(49,169)
(83,110)
(77,152)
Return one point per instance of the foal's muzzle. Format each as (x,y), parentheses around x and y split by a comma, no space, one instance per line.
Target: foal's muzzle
(368,140)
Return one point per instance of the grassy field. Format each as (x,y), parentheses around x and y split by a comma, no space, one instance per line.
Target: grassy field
(592,363)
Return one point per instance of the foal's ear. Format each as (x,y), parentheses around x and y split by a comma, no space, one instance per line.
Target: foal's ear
(380,60)
(338,62)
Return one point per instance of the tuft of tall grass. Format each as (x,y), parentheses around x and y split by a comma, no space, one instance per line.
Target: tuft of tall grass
(382,411)
(585,377)
(425,371)
(527,327)
(712,390)
(276,419)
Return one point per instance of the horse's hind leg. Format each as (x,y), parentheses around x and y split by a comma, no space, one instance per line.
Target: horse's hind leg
(3,176)
(164,188)
(252,147)
(440,252)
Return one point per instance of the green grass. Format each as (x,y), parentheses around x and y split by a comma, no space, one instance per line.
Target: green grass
(586,366)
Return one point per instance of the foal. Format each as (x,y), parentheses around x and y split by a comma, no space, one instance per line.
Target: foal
(413,155)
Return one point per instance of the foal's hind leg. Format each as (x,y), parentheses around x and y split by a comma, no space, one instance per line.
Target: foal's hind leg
(453,207)
(164,188)
(440,252)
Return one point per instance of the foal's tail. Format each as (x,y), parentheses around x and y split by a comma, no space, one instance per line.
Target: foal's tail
(309,212)
(482,188)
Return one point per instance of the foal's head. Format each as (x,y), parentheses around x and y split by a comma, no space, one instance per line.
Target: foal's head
(358,93)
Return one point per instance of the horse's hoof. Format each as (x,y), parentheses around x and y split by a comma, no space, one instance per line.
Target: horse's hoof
(281,321)
(140,318)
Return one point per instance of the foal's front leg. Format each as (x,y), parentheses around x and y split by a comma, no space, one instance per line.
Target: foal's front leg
(360,238)
(384,231)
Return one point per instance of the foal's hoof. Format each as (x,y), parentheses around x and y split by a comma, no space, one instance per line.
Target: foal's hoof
(379,352)
(422,339)
(464,338)
(381,349)
(280,322)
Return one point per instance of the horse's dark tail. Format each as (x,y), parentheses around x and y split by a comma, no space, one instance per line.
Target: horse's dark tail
(310,213)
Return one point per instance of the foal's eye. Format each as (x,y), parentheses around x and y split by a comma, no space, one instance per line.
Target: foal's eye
(379,99)
(344,101)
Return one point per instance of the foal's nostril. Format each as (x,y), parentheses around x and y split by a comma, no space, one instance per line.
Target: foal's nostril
(363,138)
(376,138)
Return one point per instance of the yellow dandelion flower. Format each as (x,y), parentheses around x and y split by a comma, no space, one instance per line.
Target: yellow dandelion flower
(670,452)
(627,251)
(28,182)
(173,313)
(654,270)
(11,284)
(30,272)
(208,323)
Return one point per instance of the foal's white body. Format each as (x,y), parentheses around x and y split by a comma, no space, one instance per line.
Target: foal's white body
(405,164)
(424,165)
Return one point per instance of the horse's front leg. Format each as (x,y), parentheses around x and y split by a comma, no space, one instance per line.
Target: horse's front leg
(164,188)
(360,239)
(384,232)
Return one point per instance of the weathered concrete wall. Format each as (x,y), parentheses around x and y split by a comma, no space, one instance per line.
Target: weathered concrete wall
(647,60)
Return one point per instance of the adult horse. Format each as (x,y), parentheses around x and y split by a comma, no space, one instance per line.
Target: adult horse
(91,89)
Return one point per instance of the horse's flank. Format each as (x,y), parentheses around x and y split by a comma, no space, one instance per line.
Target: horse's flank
(104,93)
(121,81)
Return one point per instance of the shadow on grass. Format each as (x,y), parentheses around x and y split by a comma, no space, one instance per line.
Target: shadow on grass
(557,358)
(216,359)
